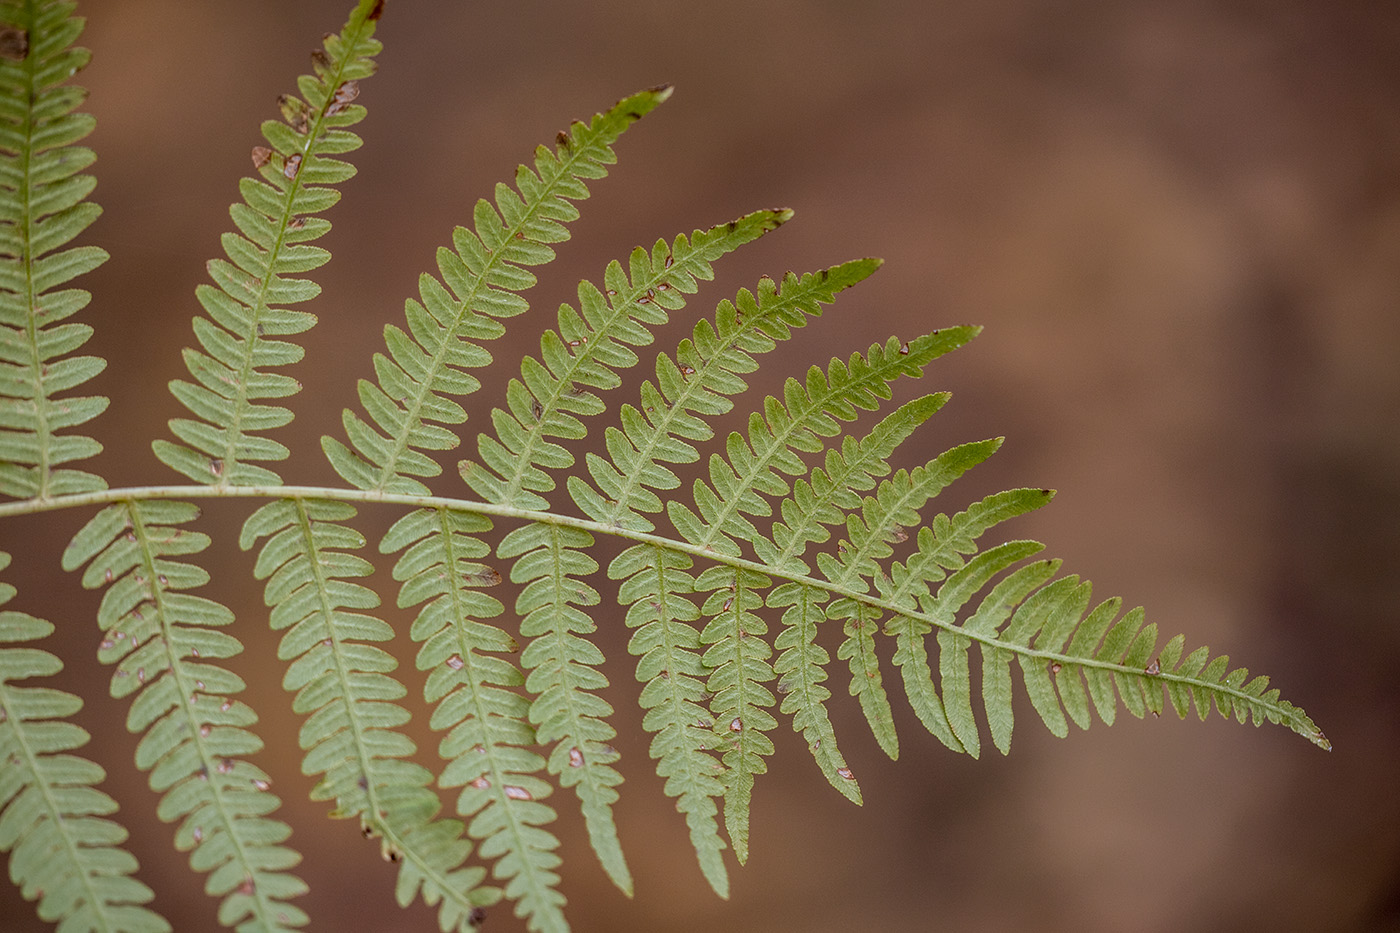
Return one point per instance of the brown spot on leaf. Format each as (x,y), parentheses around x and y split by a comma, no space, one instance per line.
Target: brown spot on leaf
(14,43)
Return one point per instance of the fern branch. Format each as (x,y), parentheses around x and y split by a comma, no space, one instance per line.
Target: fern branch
(246,310)
(656,581)
(64,854)
(428,364)
(42,208)
(562,671)
(737,663)
(585,351)
(162,641)
(346,690)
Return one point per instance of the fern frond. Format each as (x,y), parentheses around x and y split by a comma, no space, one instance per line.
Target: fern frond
(585,351)
(484,270)
(63,852)
(563,670)
(162,641)
(489,738)
(345,688)
(42,208)
(246,311)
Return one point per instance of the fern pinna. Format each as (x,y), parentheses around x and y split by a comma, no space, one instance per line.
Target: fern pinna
(792,528)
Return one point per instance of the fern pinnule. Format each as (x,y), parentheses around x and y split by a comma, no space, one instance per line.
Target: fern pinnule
(162,640)
(246,310)
(64,852)
(589,345)
(480,278)
(42,208)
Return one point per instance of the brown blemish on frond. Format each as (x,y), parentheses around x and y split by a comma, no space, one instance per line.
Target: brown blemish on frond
(14,43)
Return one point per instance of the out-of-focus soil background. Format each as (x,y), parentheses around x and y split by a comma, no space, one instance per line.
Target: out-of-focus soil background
(1179,223)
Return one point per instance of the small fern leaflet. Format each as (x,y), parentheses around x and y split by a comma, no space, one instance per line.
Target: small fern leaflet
(63,853)
(245,312)
(162,641)
(42,208)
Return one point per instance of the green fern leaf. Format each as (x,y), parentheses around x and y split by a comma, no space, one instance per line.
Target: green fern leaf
(585,351)
(42,208)
(246,311)
(737,659)
(562,669)
(695,386)
(63,853)
(737,653)
(483,271)
(162,640)
(655,588)
(941,548)
(823,498)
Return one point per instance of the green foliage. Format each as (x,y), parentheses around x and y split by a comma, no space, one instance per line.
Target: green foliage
(727,587)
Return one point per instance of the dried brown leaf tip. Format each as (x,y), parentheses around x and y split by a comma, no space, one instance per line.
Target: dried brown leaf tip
(14,43)
(376,11)
(261,156)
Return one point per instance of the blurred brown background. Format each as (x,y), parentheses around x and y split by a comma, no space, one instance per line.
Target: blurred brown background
(1180,224)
